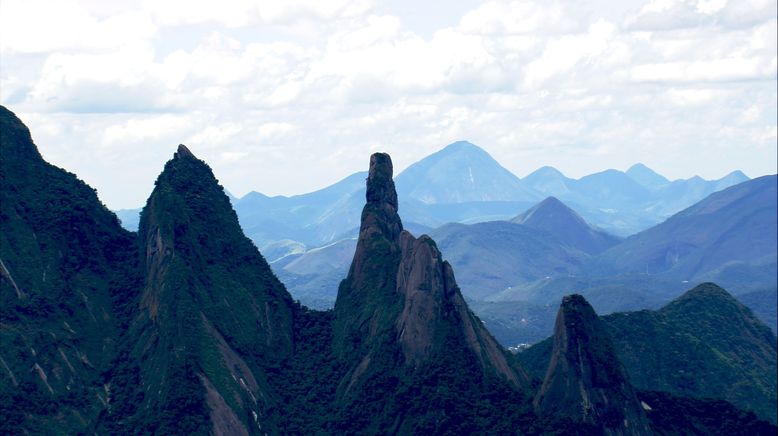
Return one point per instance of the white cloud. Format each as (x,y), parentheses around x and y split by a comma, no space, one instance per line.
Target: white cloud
(284,97)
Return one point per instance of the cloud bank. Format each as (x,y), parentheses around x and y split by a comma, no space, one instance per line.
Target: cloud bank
(287,97)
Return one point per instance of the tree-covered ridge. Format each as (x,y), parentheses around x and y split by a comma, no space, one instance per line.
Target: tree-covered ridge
(67,280)
(705,344)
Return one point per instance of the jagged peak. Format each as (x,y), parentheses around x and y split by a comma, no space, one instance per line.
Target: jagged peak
(183,153)
(380,186)
(16,137)
(585,380)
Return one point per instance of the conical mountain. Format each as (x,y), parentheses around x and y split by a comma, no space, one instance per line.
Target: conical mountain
(66,280)
(212,315)
(647,177)
(553,216)
(415,354)
(549,181)
(585,381)
(461,172)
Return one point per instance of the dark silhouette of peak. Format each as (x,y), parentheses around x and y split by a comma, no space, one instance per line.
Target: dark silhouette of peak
(703,344)
(209,294)
(16,139)
(553,216)
(66,281)
(647,177)
(380,186)
(399,314)
(585,380)
(183,152)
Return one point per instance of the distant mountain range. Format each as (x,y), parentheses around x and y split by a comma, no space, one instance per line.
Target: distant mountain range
(548,251)
(463,183)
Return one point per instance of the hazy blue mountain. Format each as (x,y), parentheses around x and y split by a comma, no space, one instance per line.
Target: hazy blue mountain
(312,219)
(550,181)
(129,218)
(459,173)
(491,256)
(553,216)
(646,177)
(763,304)
(611,189)
(463,183)
(729,228)
(625,203)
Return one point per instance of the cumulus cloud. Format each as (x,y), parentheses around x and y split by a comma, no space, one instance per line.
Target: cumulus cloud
(286,97)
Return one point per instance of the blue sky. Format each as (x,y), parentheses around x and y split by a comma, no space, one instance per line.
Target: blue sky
(286,97)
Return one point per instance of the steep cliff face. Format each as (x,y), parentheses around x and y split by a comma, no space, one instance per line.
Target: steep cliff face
(66,281)
(585,381)
(401,321)
(212,315)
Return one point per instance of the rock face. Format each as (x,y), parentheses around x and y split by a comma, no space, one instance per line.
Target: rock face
(585,381)
(400,312)
(211,314)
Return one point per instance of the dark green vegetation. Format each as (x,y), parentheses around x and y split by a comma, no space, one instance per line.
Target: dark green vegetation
(704,344)
(182,328)
(67,274)
(585,380)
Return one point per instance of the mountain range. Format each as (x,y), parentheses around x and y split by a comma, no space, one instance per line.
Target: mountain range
(463,183)
(531,261)
(182,328)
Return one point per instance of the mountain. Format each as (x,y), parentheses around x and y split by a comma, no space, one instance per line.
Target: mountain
(67,275)
(704,344)
(129,218)
(212,315)
(492,256)
(585,381)
(311,219)
(646,177)
(404,332)
(459,173)
(728,229)
(182,328)
(553,216)
(549,181)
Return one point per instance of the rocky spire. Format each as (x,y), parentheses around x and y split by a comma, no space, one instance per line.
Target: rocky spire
(400,291)
(585,381)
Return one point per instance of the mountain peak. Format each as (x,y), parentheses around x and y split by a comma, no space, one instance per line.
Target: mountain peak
(585,380)
(555,217)
(183,152)
(16,139)
(462,146)
(380,186)
(546,171)
(461,172)
(646,177)
(549,209)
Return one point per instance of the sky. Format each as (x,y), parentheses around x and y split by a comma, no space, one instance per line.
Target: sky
(285,97)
